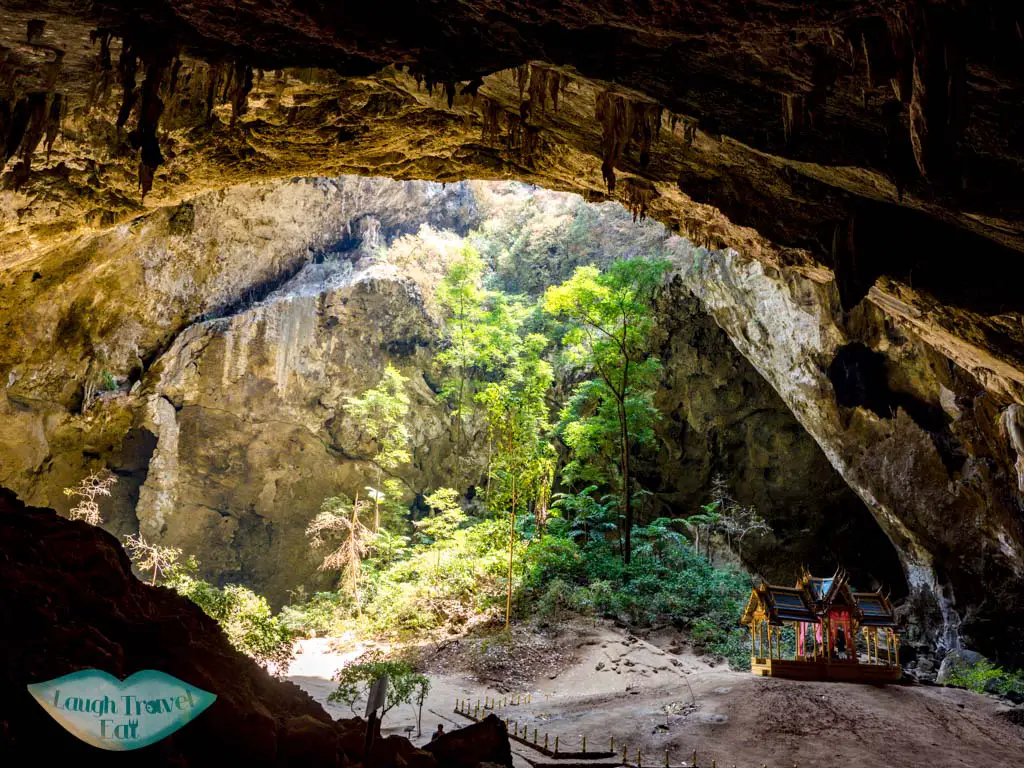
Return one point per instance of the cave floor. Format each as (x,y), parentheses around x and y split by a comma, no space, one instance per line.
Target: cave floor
(655,695)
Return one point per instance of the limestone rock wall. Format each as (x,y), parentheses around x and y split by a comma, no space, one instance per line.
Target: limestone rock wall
(252,430)
(101,309)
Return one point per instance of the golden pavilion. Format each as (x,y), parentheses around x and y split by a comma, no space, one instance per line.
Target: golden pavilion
(826,616)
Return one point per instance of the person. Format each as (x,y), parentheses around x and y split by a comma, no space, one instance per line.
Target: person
(438,733)
(841,642)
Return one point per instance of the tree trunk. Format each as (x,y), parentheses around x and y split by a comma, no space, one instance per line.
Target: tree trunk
(458,428)
(376,503)
(511,551)
(627,502)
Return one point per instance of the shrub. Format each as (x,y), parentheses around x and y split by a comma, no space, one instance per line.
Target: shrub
(405,685)
(985,677)
(318,615)
(244,616)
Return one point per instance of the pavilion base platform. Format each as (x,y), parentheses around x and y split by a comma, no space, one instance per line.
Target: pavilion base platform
(837,671)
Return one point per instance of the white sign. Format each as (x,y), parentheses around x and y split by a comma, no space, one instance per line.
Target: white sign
(110,714)
(378,695)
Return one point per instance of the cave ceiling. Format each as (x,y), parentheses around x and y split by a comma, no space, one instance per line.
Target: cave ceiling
(864,156)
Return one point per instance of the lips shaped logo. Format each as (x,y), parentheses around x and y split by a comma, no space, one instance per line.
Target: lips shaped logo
(110,714)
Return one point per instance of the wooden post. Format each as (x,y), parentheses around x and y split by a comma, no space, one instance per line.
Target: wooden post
(639,759)
(624,748)
(556,745)
(666,758)
(545,742)
(611,744)
(476,712)
(584,744)
(694,757)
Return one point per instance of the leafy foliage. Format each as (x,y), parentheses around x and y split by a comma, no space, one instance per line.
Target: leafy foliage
(355,680)
(678,585)
(382,412)
(610,415)
(983,676)
(245,617)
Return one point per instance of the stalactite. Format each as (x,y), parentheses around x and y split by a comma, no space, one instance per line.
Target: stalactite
(544,85)
(240,95)
(515,132)
(145,134)
(622,121)
(522,74)
(15,124)
(53,121)
(491,120)
(213,81)
(530,145)
(127,65)
(449,92)
(172,83)
(102,80)
(637,195)
(793,111)
(471,88)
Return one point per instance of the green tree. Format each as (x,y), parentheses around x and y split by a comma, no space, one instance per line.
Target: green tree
(462,296)
(707,521)
(586,518)
(338,521)
(389,546)
(610,319)
(405,685)
(524,460)
(480,326)
(382,412)
(445,518)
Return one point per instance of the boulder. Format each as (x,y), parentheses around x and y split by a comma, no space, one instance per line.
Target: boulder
(483,742)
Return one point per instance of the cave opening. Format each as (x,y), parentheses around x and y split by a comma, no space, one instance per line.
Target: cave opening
(231,241)
(243,403)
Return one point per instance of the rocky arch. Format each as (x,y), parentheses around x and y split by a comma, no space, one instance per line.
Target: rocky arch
(792,147)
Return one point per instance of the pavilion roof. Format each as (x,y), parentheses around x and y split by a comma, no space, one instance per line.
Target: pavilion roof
(780,604)
(876,611)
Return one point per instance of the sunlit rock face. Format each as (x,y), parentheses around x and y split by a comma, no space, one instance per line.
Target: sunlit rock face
(863,162)
(229,438)
(252,429)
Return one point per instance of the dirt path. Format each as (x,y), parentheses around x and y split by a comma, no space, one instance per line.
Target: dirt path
(656,697)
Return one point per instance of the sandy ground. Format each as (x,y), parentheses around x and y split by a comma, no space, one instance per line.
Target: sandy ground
(657,696)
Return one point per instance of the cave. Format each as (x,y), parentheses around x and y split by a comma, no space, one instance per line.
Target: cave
(195,198)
